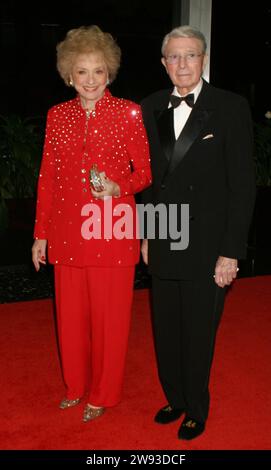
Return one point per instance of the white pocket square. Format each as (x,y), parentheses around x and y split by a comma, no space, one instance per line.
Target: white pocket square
(208,136)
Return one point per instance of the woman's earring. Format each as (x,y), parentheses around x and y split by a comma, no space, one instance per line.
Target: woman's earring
(71,82)
(108,82)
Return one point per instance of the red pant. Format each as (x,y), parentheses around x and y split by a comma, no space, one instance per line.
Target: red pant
(93,314)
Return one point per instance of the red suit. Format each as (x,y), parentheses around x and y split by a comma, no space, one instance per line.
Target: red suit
(94,277)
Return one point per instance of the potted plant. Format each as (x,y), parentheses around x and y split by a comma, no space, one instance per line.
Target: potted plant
(20,154)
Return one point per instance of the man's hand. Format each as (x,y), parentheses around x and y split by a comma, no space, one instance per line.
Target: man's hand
(144,251)
(225,271)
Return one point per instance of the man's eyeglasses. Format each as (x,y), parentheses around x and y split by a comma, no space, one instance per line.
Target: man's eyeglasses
(190,58)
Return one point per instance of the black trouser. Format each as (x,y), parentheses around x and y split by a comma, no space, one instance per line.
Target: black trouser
(186,316)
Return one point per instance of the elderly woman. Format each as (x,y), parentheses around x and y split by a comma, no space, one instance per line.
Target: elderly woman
(93,259)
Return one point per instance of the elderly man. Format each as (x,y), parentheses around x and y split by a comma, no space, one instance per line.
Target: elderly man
(201,153)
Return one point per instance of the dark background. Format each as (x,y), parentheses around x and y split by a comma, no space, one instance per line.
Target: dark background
(29,36)
(29,82)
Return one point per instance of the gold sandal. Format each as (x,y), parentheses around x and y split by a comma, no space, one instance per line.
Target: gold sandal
(66,403)
(92,413)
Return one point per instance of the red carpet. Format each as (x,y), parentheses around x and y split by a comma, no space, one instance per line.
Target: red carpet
(240,413)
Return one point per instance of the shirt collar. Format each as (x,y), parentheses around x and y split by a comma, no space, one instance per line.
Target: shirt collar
(196,90)
(101,103)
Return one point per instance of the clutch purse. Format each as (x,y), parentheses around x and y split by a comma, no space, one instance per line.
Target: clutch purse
(95,179)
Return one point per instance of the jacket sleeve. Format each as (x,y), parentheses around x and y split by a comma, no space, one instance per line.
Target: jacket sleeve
(46,183)
(240,181)
(146,196)
(138,150)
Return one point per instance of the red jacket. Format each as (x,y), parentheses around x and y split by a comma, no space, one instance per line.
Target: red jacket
(114,138)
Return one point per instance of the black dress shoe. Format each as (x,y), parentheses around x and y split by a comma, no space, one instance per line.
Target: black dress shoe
(190,428)
(168,414)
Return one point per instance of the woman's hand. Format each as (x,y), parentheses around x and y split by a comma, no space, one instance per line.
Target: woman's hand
(39,253)
(110,188)
(144,250)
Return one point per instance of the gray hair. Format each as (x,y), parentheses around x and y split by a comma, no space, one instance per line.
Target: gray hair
(184,32)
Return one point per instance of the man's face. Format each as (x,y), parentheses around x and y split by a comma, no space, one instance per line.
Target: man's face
(184,61)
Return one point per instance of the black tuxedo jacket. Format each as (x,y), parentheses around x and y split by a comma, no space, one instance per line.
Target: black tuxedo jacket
(209,167)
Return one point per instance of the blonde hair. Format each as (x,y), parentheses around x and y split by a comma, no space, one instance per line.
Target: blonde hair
(84,40)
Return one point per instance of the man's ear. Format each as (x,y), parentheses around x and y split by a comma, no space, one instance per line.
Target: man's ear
(164,63)
(205,60)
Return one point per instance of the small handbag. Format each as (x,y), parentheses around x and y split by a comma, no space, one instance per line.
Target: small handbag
(95,179)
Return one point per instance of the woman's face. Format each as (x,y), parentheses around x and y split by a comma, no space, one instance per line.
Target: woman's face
(89,76)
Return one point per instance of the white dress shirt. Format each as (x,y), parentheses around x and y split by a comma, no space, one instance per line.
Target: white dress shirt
(182,112)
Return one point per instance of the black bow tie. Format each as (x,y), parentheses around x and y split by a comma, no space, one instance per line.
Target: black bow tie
(176,100)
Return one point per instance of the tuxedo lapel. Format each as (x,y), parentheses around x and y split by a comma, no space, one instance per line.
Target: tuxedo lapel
(173,151)
(196,122)
(165,127)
